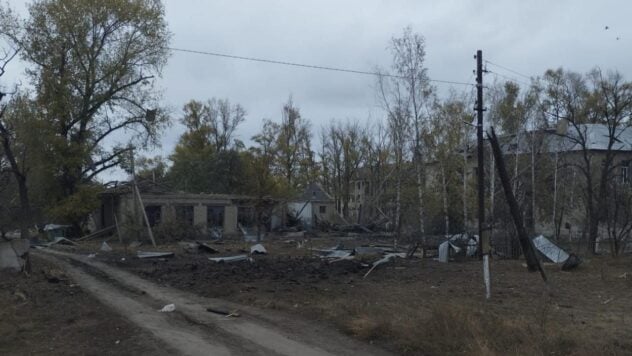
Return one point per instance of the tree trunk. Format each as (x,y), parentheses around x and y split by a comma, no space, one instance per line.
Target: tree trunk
(465,179)
(20,178)
(420,187)
(533,187)
(398,207)
(557,231)
(445,202)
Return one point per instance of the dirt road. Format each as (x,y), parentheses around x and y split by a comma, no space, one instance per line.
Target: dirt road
(191,329)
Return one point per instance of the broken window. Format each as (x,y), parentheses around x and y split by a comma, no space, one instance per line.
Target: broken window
(154,214)
(322,209)
(215,216)
(184,214)
(246,216)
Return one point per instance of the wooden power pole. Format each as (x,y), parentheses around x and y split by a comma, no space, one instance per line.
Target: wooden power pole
(483,238)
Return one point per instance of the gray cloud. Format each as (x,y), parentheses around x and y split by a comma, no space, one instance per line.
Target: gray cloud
(527,36)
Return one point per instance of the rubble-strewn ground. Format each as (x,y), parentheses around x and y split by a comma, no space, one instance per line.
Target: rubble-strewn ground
(417,306)
(39,317)
(414,306)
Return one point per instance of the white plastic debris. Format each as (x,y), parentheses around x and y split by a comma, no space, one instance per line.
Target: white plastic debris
(168,308)
(105,247)
(92,255)
(258,248)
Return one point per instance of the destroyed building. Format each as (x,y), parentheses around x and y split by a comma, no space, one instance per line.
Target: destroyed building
(312,206)
(209,213)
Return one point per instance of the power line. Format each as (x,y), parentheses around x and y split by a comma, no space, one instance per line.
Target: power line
(311,66)
(508,78)
(509,70)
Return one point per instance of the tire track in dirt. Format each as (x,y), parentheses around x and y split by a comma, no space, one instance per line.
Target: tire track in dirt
(194,331)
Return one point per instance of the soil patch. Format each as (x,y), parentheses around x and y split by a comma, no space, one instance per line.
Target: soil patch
(46,313)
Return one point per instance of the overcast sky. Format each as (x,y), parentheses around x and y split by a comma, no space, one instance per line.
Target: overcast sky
(525,36)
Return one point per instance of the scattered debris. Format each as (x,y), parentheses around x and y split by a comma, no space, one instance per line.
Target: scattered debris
(216,233)
(105,247)
(571,262)
(250,236)
(97,233)
(168,308)
(61,241)
(54,275)
(458,242)
(368,251)
(206,247)
(55,230)
(135,244)
(147,254)
(444,251)
(385,259)
(189,247)
(92,255)
(624,275)
(550,250)
(229,259)
(234,313)
(14,254)
(258,249)
(607,301)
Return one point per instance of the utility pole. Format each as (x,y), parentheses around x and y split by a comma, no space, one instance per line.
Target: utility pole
(483,238)
(140,200)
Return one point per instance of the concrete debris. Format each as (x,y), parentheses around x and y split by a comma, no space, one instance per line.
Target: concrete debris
(14,254)
(168,308)
(550,250)
(258,249)
(147,254)
(229,259)
(105,247)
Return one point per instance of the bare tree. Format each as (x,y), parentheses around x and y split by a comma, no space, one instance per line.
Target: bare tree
(597,113)
(404,96)
(343,154)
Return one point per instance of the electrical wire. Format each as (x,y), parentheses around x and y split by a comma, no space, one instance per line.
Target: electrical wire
(508,69)
(310,66)
(508,77)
